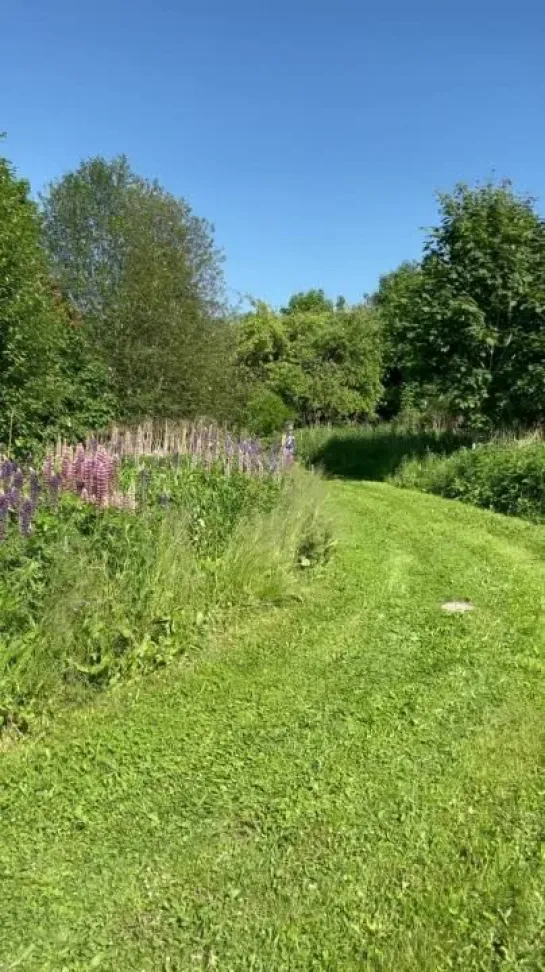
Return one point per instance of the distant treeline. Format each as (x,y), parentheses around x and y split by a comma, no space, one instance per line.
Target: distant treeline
(113,307)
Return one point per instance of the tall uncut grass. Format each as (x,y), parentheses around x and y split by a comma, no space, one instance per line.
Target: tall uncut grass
(372,452)
(506,475)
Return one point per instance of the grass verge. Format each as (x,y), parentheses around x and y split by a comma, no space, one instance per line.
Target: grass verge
(350,781)
(95,596)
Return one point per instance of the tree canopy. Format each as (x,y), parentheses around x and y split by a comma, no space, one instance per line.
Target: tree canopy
(112,305)
(144,272)
(467,323)
(322,362)
(49,379)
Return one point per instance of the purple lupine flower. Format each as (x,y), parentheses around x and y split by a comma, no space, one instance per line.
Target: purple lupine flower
(54,484)
(111,466)
(48,469)
(18,478)
(4,513)
(6,470)
(88,473)
(67,471)
(14,497)
(256,456)
(25,517)
(248,447)
(34,485)
(79,463)
(247,454)
(102,480)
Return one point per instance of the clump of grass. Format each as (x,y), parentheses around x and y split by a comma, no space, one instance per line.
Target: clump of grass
(211,501)
(264,549)
(505,476)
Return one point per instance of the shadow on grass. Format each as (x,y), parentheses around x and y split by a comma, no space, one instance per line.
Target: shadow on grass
(376,454)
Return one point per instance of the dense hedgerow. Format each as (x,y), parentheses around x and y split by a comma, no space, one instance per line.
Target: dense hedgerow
(502,476)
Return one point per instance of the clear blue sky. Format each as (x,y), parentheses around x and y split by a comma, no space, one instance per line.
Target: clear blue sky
(313,134)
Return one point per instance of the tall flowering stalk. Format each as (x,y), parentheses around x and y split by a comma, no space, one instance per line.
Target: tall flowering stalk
(18,497)
(91,470)
(203,443)
(4,513)
(91,476)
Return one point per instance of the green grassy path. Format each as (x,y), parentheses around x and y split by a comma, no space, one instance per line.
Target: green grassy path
(354,782)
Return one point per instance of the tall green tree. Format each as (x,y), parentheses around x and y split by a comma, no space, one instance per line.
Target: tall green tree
(470,320)
(396,300)
(146,276)
(310,300)
(322,362)
(48,380)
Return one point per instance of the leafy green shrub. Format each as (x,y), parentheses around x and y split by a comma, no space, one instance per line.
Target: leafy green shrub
(464,326)
(501,476)
(322,360)
(145,273)
(50,380)
(267,413)
(211,502)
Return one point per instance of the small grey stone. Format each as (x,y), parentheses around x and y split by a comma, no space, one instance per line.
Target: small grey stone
(457,607)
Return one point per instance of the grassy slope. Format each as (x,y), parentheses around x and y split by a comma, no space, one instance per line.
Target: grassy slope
(354,783)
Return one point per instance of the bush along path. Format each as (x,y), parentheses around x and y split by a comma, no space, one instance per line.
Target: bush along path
(354,781)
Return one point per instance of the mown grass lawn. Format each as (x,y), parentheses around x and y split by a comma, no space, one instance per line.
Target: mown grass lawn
(355,781)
